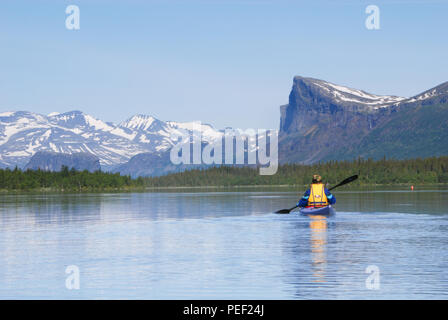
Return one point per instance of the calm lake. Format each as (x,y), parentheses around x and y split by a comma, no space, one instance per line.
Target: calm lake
(223,245)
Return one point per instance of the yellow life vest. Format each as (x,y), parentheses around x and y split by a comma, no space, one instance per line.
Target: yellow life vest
(317,198)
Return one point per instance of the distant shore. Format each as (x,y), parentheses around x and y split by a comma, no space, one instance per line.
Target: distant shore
(372,174)
(242,188)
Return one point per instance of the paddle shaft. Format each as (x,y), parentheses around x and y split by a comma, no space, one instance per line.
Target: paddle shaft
(348,180)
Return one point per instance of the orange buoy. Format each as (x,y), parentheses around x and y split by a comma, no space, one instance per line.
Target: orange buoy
(412,188)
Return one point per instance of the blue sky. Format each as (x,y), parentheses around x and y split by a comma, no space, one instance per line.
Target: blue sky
(228,63)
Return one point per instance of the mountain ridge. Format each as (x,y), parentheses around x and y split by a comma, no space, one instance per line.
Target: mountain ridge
(23,133)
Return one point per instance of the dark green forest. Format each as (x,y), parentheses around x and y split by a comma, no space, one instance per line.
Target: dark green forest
(415,171)
(65,180)
(387,172)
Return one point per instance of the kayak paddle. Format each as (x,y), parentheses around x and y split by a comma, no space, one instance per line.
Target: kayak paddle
(286,210)
(348,180)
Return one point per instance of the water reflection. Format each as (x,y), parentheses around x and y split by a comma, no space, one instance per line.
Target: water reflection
(46,209)
(318,243)
(223,245)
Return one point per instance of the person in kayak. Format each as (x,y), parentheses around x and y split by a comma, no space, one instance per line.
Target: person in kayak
(317,195)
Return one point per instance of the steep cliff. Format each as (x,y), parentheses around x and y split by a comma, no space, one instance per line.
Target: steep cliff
(324,121)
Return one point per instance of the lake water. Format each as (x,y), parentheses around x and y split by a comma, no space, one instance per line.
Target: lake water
(223,245)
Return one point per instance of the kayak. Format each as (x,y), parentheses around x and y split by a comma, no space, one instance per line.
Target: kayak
(323,211)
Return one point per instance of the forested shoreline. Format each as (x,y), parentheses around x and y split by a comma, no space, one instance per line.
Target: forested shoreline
(65,180)
(381,172)
(385,172)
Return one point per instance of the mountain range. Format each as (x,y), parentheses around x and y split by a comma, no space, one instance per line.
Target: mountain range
(23,133)
(322,121)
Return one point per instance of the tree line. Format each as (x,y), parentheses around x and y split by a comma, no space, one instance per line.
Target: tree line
(65,180)
(371,172)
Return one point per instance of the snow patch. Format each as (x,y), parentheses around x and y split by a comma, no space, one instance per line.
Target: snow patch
(97,124)
(53,147)
(120,132)
(140,122)
(144,139)
(358,96)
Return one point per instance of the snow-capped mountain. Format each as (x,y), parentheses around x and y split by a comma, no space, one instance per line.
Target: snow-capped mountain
(360,99)
(358,96)
(157,135)
(349,96)
(23,133)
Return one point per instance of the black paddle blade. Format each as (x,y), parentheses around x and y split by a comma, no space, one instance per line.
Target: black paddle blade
(283,211)
(286,210)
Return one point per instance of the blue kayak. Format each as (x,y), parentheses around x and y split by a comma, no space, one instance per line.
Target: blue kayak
(323,211)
